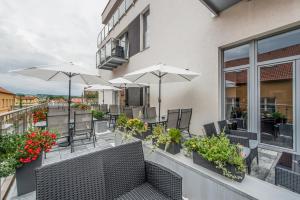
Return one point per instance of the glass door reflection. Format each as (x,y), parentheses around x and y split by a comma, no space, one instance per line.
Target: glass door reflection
(277,104)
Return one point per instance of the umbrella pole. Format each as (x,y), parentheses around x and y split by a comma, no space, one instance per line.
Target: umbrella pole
(102,96)
(159,97)
(69,106)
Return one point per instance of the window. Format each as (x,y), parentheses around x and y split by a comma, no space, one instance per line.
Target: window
(128,3)
(276,104)
(270,97)
(123,42)
(279,46)
(236,56)
(110,24)
(236,97)
(116,17)
(146,29)
(122,9)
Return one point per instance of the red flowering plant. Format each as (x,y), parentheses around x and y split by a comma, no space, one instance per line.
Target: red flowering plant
(39,115)
(35,142)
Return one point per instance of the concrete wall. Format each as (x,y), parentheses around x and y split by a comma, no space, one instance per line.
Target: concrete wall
(183,34)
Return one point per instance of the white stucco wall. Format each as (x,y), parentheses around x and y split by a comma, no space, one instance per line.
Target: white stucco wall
(183,34)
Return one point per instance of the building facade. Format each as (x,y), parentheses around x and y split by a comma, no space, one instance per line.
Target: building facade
(248,53)
(7,100)
(23,101)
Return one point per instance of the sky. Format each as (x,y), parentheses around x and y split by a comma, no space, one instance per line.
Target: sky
(35,33)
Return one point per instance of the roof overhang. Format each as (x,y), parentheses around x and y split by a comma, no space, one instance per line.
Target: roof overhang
(217,6)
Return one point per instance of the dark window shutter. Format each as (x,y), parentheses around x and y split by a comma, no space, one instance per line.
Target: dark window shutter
(134,36)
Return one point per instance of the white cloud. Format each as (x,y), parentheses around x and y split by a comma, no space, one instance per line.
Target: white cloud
(35,32)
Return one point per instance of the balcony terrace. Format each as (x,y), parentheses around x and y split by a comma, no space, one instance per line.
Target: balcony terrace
(197,180)
(113,54)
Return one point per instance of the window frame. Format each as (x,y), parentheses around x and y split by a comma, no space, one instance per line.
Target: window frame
(253,87)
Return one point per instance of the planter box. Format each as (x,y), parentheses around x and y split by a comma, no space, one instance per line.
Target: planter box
(199,160)
(101,126)
(173,148)
(25,176)
(143,135)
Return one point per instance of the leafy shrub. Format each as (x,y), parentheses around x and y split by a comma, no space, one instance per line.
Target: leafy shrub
(97,114)
(175,135)
(219,151)
(161,137)
(121,121)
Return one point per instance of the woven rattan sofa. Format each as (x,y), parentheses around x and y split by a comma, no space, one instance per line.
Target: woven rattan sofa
(114,173)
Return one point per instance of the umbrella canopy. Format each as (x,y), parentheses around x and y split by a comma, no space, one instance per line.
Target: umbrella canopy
(165,72)
(101,87)
(122,82)
(161,73)
(64,72)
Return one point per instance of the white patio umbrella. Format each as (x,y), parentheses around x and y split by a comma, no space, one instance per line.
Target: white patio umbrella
(64,72)
(161,73)
(101,88)
(122,82)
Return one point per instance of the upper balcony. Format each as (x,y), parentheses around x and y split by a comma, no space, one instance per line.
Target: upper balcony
(112,54)
(111,16)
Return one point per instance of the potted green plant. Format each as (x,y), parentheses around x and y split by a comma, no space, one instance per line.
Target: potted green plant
(121,122)
(100,123)
(98,115)
(218,155)
(170,141)
(25,155)
(137,128)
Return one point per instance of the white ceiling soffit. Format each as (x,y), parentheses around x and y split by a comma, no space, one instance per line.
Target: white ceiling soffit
(217,6)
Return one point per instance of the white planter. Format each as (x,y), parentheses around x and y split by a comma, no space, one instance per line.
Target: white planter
(101,126)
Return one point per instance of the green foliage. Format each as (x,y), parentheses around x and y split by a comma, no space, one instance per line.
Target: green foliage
(192,144)
(9,152)
(97,114)
(121,121)
(175,135)
(136,125)
(219,151)
(278,115)
(161,137)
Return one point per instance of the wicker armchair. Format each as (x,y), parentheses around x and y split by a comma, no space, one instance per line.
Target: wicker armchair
(114,173)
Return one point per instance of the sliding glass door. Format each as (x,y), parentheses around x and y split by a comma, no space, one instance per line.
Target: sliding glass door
(276,93)
(260,80)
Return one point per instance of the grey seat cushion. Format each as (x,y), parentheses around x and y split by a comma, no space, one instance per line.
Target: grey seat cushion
(245,152)
(253,144)
(143,192)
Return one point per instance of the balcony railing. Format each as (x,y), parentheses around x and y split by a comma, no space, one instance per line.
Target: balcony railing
(117,15)
(113,54)
(17,121)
